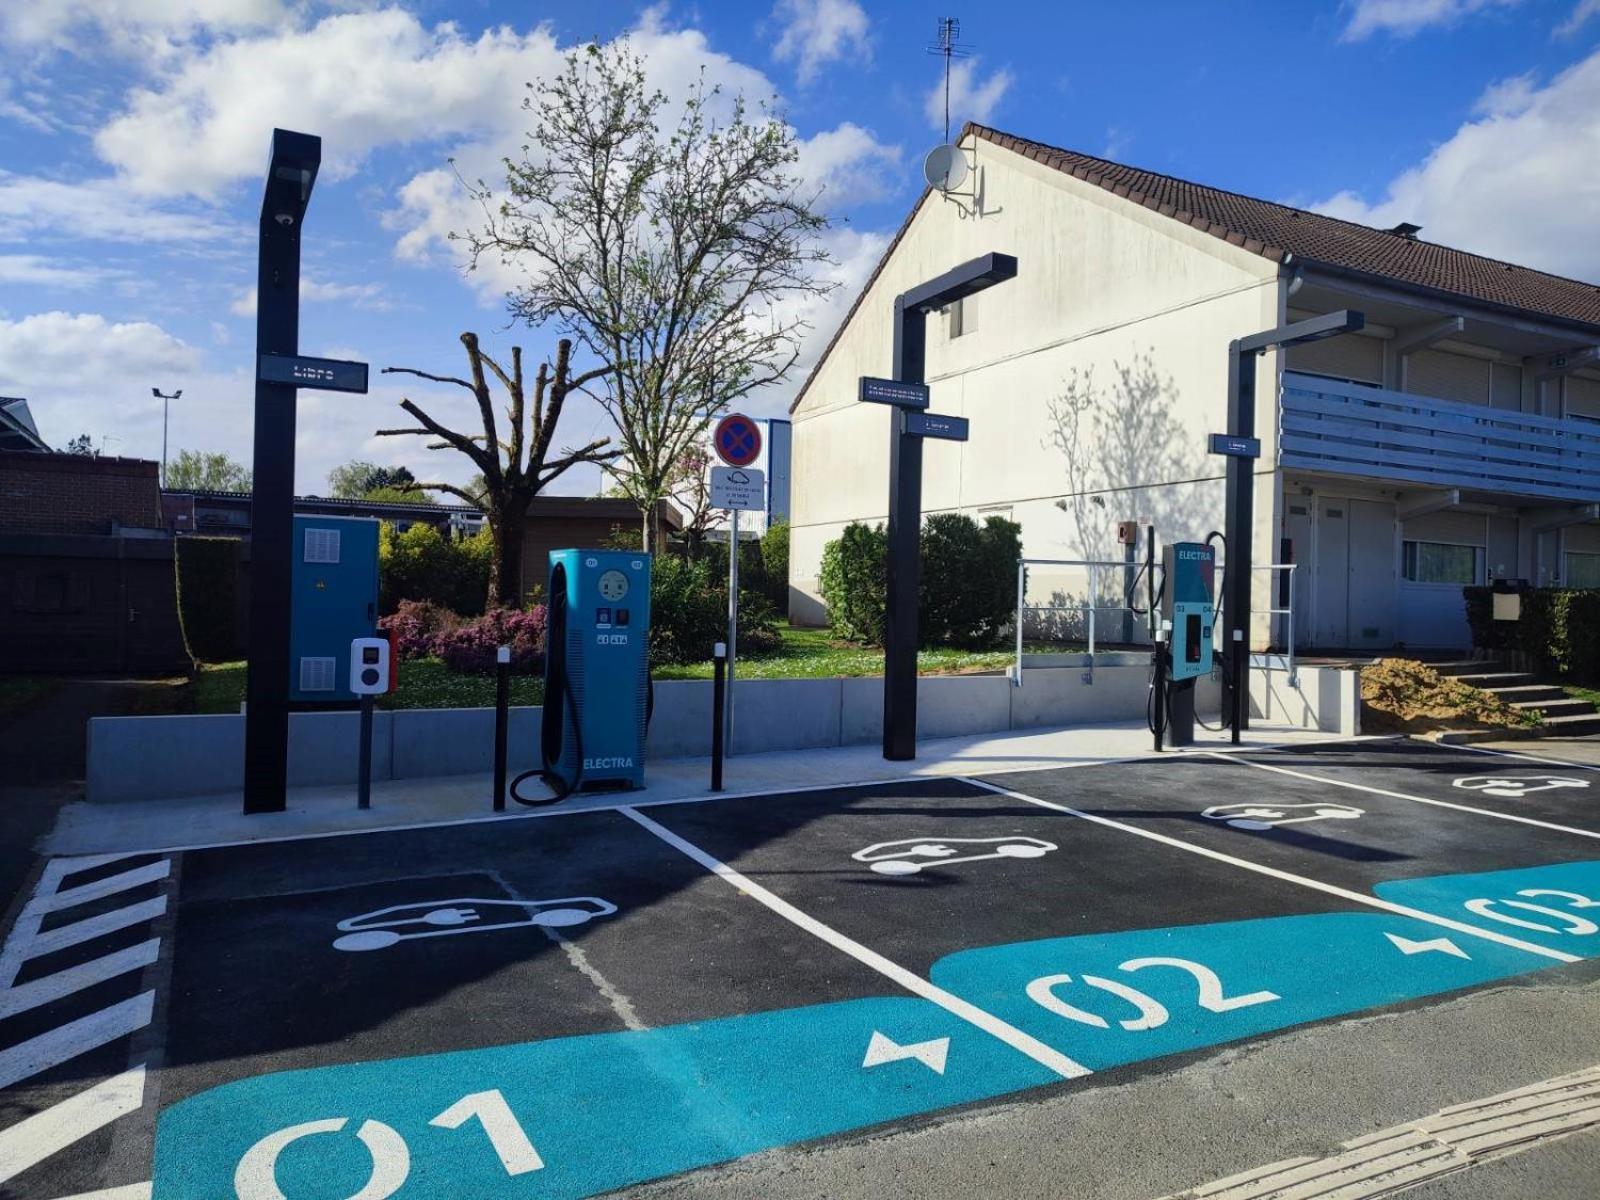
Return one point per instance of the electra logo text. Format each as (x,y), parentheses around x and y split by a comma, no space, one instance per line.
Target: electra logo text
(603,764)
(1193,554)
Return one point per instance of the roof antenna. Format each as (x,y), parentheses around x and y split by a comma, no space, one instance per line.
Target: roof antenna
(949,33)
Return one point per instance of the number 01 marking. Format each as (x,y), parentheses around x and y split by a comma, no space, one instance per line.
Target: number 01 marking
(256,1177)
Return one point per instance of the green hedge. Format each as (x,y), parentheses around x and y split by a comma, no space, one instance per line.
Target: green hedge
(424,564)
(775,561)
(689,612)
(208,596)
(967,596)
(1559,632)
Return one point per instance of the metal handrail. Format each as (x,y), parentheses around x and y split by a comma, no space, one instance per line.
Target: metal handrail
(1089,610)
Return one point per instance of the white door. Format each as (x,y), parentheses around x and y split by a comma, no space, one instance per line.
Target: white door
(1331,567)
(1373,580)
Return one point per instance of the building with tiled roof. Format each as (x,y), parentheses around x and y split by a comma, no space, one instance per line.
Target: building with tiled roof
(1455,439)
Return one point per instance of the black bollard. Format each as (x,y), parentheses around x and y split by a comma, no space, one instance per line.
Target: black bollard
(502,720)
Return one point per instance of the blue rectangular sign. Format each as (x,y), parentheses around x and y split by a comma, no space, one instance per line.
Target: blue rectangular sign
(324,374)
(1235,447)
(936,425)
(892,391)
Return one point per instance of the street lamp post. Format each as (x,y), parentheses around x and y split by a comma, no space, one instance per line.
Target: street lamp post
(165,401)
(1240,517)
(290,176)
(905,492)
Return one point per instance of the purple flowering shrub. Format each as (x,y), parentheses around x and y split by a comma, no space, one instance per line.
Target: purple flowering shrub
(470,646)
(416,625)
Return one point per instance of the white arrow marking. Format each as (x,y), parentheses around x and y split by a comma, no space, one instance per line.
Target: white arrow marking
(1443,945)
(931,1054)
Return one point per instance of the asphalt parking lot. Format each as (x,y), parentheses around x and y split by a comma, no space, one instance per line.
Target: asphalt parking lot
(586,1002)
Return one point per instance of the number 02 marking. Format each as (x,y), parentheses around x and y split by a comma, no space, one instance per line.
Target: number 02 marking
(1152,1013)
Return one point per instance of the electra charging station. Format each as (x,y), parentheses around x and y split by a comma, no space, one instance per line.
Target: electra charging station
(1184,640)
(596,674)
(333,601)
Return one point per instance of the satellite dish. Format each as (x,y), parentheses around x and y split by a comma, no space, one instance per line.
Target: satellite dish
(945,168)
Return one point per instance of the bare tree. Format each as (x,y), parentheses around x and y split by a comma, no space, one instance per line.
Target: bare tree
(517,467)
(680,258)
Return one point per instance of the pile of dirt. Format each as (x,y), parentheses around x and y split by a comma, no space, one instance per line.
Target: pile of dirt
(1400,695)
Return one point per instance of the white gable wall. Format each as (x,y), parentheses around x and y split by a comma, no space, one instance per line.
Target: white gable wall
(1104,288)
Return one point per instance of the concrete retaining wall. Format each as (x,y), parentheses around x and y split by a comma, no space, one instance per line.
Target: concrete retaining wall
(140,758)
(1325,698)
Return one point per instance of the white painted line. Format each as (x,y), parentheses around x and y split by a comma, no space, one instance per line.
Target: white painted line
(28,1058)
(35,1139)
(1548,762)
(74,979)
(1303,881)
(110,886)
(1009,1034)
(1377,791)
(58,869)
(97,926)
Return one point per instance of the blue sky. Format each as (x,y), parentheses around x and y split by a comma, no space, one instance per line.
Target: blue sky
(133,135)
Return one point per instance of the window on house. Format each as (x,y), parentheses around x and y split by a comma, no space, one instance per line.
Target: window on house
(963,315)
(1442,562)
(1583,570)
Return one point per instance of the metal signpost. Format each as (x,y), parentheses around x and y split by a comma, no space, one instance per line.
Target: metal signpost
(905,393)
(737,441)
(279,371)
(1237,443)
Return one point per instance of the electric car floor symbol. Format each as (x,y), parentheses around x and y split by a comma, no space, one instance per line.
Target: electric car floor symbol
(385,927)
(910,855)
(1515,787)
(1272,816)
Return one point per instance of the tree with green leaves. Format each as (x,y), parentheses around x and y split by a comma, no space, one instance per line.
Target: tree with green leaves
(83,445)
(207,471)
(358,480)
(678,252)
(516,462)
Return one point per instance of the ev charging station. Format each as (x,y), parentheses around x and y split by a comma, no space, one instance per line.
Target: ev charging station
(596,674)
(1183,643)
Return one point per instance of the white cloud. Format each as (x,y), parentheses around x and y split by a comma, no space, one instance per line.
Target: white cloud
(33,270)
(1517,182)
(1404,18)
(359,80)
(849,164)
(96,210)
(63,24)
(368,296)
(971,98)
(1580,17)
(814,33)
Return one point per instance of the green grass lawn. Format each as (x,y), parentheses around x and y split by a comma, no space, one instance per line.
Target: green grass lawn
(815,654)
(803,654)
(19,691)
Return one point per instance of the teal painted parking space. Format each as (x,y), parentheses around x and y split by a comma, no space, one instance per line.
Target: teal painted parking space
(576,1116)
(1557,906)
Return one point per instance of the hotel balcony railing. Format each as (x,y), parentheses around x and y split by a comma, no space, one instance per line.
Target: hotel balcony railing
(1349,429)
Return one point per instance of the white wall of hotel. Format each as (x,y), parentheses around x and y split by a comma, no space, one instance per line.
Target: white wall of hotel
(1105,285)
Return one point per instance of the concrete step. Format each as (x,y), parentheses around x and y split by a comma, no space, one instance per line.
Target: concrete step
(1494,680)
(1529,693)
(1465,666)
(1574,726)
(1564,707)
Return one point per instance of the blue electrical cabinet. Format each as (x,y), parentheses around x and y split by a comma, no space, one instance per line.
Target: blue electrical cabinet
(1189,574)
(334,599)
(597,667)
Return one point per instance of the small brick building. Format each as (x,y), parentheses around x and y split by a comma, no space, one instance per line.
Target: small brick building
(78,494)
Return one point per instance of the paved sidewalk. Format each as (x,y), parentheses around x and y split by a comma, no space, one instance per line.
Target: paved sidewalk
(213,820)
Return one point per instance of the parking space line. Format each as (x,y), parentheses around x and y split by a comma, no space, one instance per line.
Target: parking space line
(1546,762)
(1261,869)
(67,1041)
(81,931)
(110,886)
(32,994)
(35,1139)
(1023,1043)
(1377,791)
